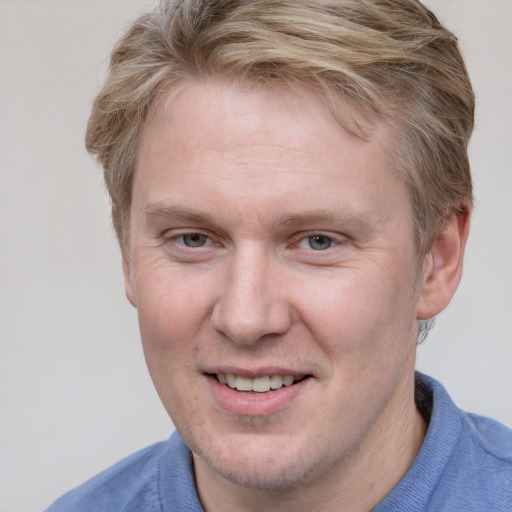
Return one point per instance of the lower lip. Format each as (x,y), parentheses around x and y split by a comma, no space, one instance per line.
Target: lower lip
(255,404)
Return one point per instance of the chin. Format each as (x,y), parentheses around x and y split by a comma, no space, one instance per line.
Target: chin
(265,466)
(265,478)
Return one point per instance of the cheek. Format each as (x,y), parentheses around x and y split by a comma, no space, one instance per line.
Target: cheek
(172,309)
(168,294)
(363,314)
(171,314)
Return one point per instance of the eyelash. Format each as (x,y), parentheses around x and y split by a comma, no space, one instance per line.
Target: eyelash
(304,239)
(310,237)
(179,239)
(202,238)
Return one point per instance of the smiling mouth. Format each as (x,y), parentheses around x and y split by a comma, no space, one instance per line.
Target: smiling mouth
(263,384)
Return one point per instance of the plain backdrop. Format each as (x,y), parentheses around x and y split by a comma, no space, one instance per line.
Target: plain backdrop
(75,395)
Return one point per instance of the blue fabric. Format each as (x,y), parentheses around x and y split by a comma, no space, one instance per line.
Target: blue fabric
(465,464)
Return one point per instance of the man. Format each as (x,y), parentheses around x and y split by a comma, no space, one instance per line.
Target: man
(291,191)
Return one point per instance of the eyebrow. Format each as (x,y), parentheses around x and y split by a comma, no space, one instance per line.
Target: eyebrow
(178,213)
(348,217)
(185,213)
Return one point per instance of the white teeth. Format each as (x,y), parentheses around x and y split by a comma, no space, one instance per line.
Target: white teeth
(258,385)
(276,381)
(288,380)
(243,384)
(261,384)
(231,380)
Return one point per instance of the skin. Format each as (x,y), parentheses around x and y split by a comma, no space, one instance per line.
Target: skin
(255,174)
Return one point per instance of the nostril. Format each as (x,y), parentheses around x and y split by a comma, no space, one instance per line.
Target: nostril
(247,323)
(250,303)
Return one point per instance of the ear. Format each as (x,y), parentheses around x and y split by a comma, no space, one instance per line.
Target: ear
(443,266)
(128,283)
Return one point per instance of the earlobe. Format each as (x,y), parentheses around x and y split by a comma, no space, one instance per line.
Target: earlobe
(443,265)
(128,284)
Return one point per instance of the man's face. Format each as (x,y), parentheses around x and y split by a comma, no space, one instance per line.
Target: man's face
(267,242)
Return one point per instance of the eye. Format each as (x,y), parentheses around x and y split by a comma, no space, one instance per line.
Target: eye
(319,242)
(316,242)
(194,240)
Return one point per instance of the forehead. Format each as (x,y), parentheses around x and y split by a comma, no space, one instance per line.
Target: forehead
(249,105)
(261,150)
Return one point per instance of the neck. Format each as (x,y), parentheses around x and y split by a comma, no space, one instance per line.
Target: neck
(357,483)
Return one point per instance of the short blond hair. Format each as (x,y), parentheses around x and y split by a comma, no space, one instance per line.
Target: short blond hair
(370,59)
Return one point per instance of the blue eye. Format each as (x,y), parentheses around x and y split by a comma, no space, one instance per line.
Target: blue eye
(194,240)
(319,242)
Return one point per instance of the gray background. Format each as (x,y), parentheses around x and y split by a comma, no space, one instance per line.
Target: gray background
(74,392)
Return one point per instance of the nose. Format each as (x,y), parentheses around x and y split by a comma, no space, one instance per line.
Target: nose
(251,303)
